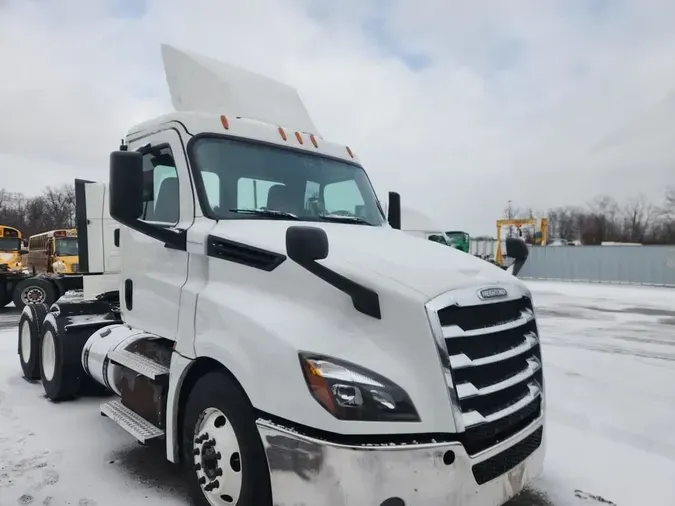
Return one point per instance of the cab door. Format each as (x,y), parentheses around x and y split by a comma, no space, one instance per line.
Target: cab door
(153,274)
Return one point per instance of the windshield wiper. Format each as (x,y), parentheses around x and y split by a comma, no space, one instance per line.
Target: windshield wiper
(343,219)
(270,213)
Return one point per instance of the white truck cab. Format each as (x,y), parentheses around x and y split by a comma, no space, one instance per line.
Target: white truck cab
(284,342)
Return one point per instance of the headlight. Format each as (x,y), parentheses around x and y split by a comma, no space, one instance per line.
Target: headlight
(350,392)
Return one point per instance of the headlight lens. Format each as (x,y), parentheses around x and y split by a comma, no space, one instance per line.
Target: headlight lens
(350,392)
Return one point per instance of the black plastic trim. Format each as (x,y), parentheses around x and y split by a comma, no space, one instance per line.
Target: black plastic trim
(81,222)
(365,300)
(243,254)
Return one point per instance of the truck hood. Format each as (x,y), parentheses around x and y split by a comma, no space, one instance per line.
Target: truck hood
(424,266)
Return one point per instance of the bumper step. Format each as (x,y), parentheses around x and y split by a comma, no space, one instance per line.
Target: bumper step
(133,423)
(140,364)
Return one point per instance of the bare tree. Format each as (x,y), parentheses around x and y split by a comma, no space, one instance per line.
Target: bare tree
(54,209)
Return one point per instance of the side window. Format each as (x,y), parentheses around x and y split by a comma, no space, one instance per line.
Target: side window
(253,193)
(343,198)
(160,186)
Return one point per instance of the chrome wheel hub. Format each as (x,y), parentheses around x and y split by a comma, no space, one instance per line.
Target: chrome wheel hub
(217,458)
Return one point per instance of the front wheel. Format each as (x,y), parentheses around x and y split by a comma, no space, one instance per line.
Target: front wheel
(221,448)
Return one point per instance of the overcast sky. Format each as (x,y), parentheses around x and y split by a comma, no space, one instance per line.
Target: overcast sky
(459,105)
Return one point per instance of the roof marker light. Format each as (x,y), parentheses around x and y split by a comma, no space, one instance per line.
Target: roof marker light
(226,124)
(350,152)
(313,139)
(282,133)
(299,137)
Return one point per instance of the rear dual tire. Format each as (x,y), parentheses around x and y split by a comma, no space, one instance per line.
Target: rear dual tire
(30,334)
(63,377)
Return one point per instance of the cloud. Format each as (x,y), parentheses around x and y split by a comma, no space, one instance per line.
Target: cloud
(459,105)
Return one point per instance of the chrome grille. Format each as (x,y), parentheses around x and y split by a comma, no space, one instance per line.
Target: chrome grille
(494,363)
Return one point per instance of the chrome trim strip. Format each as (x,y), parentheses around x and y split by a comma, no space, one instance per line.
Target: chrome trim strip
(453,331)
(437,332)
(468,390)
(461,361)
(474,418)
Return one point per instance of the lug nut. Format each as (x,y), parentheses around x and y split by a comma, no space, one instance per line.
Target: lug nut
(202,480)
(196,452)
(219,472)
(198,466)
(218,456)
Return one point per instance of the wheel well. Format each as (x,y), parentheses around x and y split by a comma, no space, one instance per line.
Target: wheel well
(200,367)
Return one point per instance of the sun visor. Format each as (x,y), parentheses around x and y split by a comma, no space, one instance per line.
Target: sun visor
(202,84)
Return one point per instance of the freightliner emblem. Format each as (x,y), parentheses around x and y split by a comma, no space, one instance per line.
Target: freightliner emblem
(492,293)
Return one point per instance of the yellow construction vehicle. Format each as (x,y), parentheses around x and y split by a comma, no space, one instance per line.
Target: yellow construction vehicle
(537,236)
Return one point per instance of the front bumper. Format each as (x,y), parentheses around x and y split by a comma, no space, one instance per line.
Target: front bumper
(308,471)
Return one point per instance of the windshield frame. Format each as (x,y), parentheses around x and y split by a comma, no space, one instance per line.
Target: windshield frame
(198,180)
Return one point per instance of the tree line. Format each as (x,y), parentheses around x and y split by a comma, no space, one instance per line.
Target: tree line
(604,219)
(53,209)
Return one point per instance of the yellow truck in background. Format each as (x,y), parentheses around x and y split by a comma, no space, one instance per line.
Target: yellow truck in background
(53,252)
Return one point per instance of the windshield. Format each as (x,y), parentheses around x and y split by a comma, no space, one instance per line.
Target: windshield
(438,238)
(10,244)
(66,247)
(457,236)
(238,176)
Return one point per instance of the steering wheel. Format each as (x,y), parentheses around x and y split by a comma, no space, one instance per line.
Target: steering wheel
(342,212)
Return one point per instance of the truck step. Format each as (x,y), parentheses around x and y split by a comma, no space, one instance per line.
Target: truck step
(132,422)
(142,365)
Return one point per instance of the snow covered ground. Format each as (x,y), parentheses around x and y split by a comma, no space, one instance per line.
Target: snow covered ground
(609,356)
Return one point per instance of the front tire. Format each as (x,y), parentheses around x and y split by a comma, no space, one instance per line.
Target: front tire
(222,452)
(30,332)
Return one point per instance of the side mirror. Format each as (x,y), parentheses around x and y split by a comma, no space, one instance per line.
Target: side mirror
(306,244)
(394,210)
(126,186)
(516,249)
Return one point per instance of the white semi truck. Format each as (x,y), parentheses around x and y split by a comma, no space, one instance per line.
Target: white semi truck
(250,308)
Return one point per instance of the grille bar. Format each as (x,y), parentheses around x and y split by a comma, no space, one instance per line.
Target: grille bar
(475,418)
(452,331)
(468,390)
(461,361)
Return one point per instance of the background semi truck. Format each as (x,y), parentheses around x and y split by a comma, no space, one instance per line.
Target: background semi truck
(287,351)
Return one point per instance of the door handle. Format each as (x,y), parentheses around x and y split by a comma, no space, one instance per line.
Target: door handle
(129,294)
